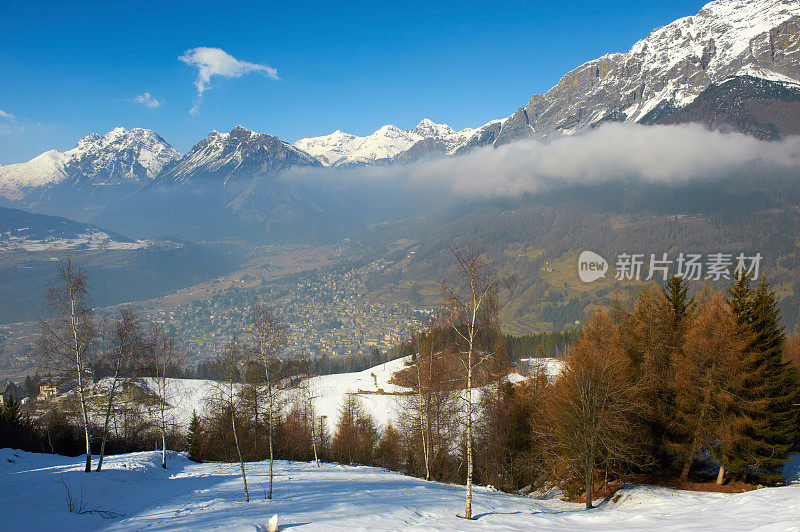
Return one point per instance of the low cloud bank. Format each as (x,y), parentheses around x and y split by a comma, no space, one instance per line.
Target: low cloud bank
(652,154)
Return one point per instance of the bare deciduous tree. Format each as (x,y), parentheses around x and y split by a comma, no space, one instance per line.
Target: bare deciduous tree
(431,411)
(67,339)
(269,336)
(308,408)
(466,301)
(126,339)
(160,358)
(232,363)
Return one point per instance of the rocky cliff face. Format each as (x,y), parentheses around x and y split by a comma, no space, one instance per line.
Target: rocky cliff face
(669,68)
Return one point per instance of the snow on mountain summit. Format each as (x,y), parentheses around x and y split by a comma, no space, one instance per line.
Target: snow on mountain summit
(345,149)
(428,128)
(668,69)
(119,156)
(240,154)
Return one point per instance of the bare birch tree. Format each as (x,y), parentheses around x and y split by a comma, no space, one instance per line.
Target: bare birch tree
(308,403)
(432,410)
(465,301)
(160,358)
(232,363)
(126,338)
(269,336)
(67,340)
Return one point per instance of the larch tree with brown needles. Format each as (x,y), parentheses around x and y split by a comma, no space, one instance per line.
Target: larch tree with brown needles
(594,410)
(707,370)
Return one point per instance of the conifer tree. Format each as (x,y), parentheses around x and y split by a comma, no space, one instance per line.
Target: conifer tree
(708,367)
(676,291)
(653,334)
(769,391)
(195,438)
(594,413)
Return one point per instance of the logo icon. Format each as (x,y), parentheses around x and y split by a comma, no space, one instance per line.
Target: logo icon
(591,266)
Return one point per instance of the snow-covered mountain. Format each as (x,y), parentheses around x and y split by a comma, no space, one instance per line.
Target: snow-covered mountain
(668,69)
(119,157)
(240,154)
(654,82)
(382,146)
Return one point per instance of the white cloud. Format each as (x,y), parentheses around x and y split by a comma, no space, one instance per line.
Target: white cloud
(653,154)
(147,100)
(3,114)
(217,62)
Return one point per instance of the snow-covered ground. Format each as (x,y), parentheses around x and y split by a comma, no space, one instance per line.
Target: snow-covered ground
(380,398)
(89,240)
(189,496)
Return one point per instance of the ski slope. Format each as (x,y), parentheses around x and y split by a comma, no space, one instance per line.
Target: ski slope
(190,496)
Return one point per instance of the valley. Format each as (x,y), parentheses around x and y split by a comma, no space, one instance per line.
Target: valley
(454,266)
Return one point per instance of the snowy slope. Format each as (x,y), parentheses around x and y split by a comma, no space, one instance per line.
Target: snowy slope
(380,398)
(82,241)
(189,496)
(26,231)
(118,157)
(344,149)
(186,396)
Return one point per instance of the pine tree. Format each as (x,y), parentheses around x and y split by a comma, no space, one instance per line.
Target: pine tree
(195,437)
(676,291)
(770,390)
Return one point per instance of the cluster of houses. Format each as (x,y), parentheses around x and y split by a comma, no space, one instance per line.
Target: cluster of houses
(49,390)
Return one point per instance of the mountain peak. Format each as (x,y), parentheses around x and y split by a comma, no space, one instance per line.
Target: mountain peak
(241,132)
(119,157)
(238,156)
(429,128)
(667,69)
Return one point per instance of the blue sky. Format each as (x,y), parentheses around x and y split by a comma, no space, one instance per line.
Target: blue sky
(71,68)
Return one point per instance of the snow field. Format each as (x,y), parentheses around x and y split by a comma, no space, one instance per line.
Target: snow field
(190,496)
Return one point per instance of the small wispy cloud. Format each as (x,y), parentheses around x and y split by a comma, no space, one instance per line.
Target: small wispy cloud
(4,114)
(147,100)
(211,62)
